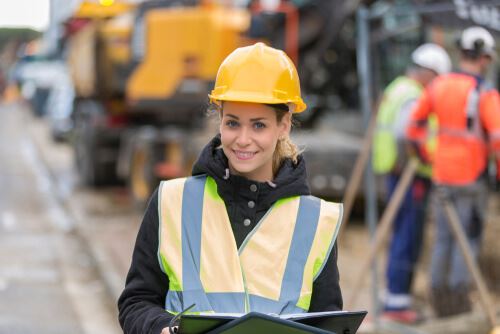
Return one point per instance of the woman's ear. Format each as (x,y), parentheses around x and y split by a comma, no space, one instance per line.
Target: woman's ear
(219,113)
(286,124)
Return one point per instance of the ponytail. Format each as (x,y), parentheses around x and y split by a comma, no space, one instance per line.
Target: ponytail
(285,147)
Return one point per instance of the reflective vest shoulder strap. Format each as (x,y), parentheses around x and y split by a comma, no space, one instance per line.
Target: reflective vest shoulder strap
(472,105)
(398,93)
(180,255)
(330,218)
(169,250)
(300,248)
(282,240)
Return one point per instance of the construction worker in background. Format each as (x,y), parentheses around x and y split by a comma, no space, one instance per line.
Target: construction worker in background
(389,158)
(243,233)
(468,113)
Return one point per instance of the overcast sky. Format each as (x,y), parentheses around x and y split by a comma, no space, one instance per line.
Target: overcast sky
(24,13)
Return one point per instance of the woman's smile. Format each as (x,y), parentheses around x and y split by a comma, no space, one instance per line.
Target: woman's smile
(244,155)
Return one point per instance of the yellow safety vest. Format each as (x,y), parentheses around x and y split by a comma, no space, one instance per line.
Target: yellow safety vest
(273,270)
(385,150)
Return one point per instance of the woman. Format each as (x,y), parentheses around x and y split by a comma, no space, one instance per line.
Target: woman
(243,233)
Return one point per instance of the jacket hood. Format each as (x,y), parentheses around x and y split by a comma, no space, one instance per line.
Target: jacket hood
(291,179)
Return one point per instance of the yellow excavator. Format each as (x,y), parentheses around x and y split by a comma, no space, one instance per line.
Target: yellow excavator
(142,74)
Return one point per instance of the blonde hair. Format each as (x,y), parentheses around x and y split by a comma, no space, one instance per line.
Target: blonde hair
(285,147)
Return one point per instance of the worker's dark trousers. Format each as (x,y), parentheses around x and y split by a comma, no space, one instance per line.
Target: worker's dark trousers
(406,241)
(450,278)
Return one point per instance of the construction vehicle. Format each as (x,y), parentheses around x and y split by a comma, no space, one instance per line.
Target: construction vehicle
(142,74)
(97,47)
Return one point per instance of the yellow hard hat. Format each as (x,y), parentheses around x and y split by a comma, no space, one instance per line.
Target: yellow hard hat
(259,74)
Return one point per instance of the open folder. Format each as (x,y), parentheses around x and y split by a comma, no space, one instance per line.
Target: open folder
(339,322)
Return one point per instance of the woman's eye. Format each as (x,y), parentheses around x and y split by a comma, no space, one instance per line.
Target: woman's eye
(259,125)
(231,124)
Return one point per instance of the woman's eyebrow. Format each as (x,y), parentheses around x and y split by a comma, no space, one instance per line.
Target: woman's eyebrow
(251,119)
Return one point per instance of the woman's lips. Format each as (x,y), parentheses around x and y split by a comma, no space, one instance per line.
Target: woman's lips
(244,155)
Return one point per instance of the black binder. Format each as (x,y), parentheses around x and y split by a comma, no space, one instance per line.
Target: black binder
(254,322)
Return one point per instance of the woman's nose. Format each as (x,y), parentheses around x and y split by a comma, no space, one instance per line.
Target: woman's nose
(244,137)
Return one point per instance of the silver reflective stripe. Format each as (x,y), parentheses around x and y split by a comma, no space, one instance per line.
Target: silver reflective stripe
(265,305)
(173,302)
(192,210)
(472,111)
(303,237)
(495,135)
(227,302)
(460,133)
(193,292)
(472,106)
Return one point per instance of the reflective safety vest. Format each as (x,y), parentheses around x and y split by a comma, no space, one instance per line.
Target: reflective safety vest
(273,270)
(467,114)
(385,146)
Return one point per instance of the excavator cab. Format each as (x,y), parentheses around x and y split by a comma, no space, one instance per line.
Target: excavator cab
(183,48)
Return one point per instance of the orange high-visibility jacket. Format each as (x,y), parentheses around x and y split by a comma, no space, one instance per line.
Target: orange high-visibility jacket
(462,152)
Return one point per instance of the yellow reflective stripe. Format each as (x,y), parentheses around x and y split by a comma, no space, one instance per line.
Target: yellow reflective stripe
(425,169)
(170,246)
(328,226)
(304,301)
(219,255)
(264,276)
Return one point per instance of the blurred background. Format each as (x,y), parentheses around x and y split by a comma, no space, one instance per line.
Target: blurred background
(102,99)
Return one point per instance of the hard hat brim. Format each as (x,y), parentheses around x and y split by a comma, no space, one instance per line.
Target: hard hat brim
(300,106)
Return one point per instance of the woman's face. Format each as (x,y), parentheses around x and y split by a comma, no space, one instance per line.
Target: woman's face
(249,133)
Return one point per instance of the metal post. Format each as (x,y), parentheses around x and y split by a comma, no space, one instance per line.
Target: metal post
(365,93)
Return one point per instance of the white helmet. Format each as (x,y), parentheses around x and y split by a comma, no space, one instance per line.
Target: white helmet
(432,57)
(479,40)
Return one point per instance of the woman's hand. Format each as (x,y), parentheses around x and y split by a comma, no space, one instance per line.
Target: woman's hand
(166,330)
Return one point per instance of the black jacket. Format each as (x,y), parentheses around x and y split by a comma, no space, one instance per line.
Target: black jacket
(141,304)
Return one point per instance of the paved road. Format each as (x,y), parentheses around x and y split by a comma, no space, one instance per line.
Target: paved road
(48,279)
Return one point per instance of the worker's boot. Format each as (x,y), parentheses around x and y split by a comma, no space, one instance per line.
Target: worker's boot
(447,302)
(460,299)
(441,301)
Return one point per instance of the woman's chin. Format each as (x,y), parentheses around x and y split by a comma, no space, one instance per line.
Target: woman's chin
(242,169)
